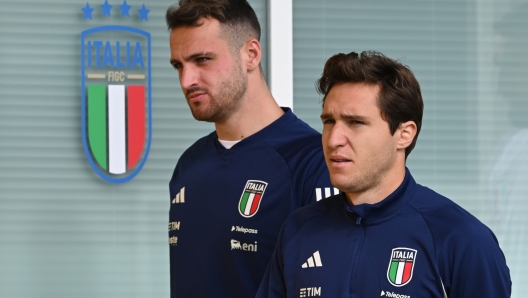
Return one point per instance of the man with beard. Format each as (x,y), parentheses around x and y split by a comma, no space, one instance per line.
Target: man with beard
(231,190)
(385,235)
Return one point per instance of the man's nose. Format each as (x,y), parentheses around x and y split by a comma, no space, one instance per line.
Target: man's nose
(336,136)
(188,77)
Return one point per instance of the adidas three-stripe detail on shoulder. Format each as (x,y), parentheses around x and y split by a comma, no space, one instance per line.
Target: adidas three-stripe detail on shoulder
(327,192)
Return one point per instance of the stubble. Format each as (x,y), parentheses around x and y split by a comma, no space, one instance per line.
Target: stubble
(226,102)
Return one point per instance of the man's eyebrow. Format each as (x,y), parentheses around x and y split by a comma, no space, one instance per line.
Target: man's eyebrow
(355,117)
(326,116)
(194,56)
(346,117)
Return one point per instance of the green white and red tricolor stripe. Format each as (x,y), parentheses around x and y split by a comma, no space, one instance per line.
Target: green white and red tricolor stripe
(251,197)
(401,266)
(116,125)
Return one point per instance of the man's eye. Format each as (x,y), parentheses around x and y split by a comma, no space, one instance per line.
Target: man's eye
(177,66)
(355,122)
(202,59)
(328,121)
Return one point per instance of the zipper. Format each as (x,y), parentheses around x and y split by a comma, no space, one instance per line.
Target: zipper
(354,291)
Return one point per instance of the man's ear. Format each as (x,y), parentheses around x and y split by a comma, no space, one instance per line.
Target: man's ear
(406,134)
(253,53)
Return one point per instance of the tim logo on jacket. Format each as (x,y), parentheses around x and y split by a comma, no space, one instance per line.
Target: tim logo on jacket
(116,91)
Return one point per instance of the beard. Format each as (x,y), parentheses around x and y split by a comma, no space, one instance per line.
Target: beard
(226,102)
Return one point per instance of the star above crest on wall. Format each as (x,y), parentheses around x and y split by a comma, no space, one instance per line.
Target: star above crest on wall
(87,11)
(125,9)
(143,12)
(106,8)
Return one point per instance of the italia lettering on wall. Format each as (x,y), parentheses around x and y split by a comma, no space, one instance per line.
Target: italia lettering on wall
(116,92)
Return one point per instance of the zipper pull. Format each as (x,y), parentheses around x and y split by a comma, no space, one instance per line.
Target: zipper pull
(358,221)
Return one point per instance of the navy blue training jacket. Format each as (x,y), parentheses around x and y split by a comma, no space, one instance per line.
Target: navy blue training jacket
(227,206)
(415,243)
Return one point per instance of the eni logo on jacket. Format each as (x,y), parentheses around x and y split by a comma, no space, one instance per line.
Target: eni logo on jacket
(401,266)
(115,63)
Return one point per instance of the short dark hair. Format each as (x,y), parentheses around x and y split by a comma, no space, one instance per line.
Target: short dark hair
(238,18)
(399,99)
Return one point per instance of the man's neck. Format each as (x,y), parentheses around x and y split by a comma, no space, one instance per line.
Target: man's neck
(258,110)
(389,183)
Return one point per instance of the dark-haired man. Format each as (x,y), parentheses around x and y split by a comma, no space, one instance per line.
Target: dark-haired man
(232,190)
(385,235)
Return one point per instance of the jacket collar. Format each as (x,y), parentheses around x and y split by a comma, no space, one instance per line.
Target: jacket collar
(388,207)
(276,126)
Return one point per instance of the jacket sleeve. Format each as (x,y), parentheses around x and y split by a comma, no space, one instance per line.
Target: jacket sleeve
(316,184)
(310,179)
(470,260)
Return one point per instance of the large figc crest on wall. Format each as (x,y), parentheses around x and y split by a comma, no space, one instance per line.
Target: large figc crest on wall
(116,96)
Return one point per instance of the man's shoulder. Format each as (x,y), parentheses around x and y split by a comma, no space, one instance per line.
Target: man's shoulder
(196,152)
(445,218)
(200,145)
(463,245)
(296,142)
(299,148)
(426,200)
(292,130)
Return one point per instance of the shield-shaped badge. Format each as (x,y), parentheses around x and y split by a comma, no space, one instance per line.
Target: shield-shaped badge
(116,100)
(401,266)
(251,197)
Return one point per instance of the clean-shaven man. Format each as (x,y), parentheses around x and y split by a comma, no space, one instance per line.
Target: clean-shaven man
(385,235)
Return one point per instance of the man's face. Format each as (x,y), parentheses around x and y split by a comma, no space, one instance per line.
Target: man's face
(211,77)
(358,146)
